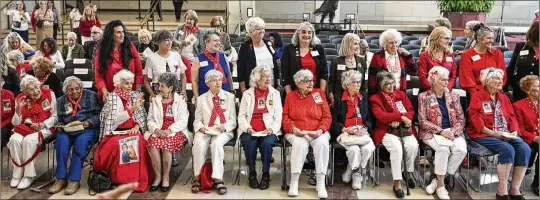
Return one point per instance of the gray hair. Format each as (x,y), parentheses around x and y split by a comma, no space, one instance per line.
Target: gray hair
(144,32)
(314,40)
(437,72)
(254,22)
(162,35)
(349,76)
(72,35)
(72,78)
(122,75)
(96,29)
(348,40)
(213,74)
(15,55)
(302,75)
(170,79)
(480,31)
(384,77)
(27,80)
(471,24)
(363,42)
(489,73)
(256,74)
(387,33)
(209,32)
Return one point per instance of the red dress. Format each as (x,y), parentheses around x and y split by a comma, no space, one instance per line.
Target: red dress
(172,144)
(309,63)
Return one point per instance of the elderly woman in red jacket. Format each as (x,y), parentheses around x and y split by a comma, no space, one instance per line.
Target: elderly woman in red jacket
(440,115)
(527,114)
(392,110)
(493,124)
(391,58)
(306,120)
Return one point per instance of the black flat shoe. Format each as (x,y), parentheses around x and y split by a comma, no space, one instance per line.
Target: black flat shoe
(503,197)
(154,188)
(252,181)
(516,197)
(399,193)
(528,171)
(265,183)
(535,189)
(165,188)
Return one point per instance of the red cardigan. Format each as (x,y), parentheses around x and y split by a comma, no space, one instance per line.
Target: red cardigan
(188,68)
(378,63)
(469,70)
(85,26)
(528,120)
(8,107)
(135,67)
(382,112)
(305,113)
(426,62)
(478,119)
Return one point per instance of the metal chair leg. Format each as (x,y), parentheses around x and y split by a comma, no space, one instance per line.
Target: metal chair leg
(332,153)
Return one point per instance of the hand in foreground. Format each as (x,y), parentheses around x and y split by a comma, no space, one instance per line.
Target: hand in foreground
(317,134)
(119,191)
(297,132)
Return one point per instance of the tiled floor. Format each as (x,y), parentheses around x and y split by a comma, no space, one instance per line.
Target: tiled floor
(242,191)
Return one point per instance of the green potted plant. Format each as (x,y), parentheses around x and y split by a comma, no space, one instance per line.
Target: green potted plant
(459,12)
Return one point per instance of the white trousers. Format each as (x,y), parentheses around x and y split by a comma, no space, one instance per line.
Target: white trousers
(300,149)
(22,149)
(85,39)
(394,147)
(200,148)
(358,156)
(448,159)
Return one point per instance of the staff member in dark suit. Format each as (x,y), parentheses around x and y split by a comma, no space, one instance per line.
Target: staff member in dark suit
(524,61)
(304,52)
(256,52)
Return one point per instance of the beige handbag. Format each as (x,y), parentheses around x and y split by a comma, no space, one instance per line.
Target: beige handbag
(346,139)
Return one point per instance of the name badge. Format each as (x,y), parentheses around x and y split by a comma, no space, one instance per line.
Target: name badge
(476,58)
(23,72)
(317,98)
(204,63)
(180,32)
(222,102)
(314,53)
(260,103)
(7,105)
(487,107)
(433,102)
(358,114)
(169,112)
(68,107)
(449,59)
(271,48)
(271,102)
(400,107)
(45,104)
(524,53)
(341,67)
(45,86)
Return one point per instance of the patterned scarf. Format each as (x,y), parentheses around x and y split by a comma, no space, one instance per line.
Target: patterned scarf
(47,55)
(217,111)
(390,100)
(190,31)
(76,104)
(260,94)
(393,63)
(44,79)
(500,123)
(124,96)
(534,108)
(215,61)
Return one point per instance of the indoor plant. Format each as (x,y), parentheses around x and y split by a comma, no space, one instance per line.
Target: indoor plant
(460,12)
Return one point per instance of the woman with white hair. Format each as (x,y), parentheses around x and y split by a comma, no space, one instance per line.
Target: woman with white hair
(437,54)
(9,75)
(259,122)
(88,20)
(167,129)
(254,52)
(347,61)
(72,50)
(34,120)
(215,120)
(91,46)
(469,33)
(493,124)
(306,121)
(391,58)
(145,41)
(13,41)
(304,52)
(16,59)
(20,19)
(393,111)
(77,107)
(365,53)
(122,149)
(45,22)
(350,125)
(189,37)
(218,23)
(441,117)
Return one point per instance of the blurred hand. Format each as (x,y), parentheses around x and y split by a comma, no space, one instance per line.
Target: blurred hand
(250,131)
(317,134)
(403,51)
(203,130)
(119,191)
(394,124)
(297,132)
(134,130)
(447,134)
(268,131)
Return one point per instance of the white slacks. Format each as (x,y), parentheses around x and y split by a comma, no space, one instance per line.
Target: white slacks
(448,159)
(359,156)
(300,149)
(200,148)
(22,149)
(394,147)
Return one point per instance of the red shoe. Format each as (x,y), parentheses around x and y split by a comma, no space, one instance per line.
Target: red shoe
(465,163)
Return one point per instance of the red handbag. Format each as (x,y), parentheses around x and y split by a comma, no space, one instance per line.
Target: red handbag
(23,129)
(207,182)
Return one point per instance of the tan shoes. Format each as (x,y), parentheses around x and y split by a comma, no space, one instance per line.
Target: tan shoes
(59,184)
(72,187)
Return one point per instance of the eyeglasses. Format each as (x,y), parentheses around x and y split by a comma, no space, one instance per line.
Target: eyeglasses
(447,38)
(95,33)
(307,81)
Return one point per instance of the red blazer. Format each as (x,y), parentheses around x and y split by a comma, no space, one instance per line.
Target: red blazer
(384,114)
(305,113)
(528,120)
(85,26)
(8,107)
(426,62)
(478,118)
(469,69)
(135,66)
(378,63)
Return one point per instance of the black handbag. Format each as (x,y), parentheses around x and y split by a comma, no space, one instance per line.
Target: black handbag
(98,181)
(39,24)
(16,24)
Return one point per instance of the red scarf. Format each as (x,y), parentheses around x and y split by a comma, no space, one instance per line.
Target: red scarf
(124,96)
(75,104)
(190,31)
(44,79)
(390,100)
(215,61)
(260,94)
(217,111)
(533,107)
(47,55)
(536,51)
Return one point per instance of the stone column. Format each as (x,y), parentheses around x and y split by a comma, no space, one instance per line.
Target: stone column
(234,13)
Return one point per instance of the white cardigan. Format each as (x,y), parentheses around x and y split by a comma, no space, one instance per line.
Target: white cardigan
(180,114)
(204,107)
(56,58)
(272,119)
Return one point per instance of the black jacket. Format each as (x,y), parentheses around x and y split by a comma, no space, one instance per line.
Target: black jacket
(519,67)
(291,63)
(12,81)
(247,61)
(53,82)
(339,113)
(334,82)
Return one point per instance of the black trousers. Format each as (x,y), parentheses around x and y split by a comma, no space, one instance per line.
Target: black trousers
(534,154)
(5,134)
(177,8)
(55,32)
(157,5)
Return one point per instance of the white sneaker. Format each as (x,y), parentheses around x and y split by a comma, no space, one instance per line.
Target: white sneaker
(430,189)
(357,180)
(442,193)
(14,182)
(347,175)
(293,188)
(25,183)
(321,187)
(321,193)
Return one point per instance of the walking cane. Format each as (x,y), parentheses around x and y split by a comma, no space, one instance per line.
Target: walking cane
(403,160)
